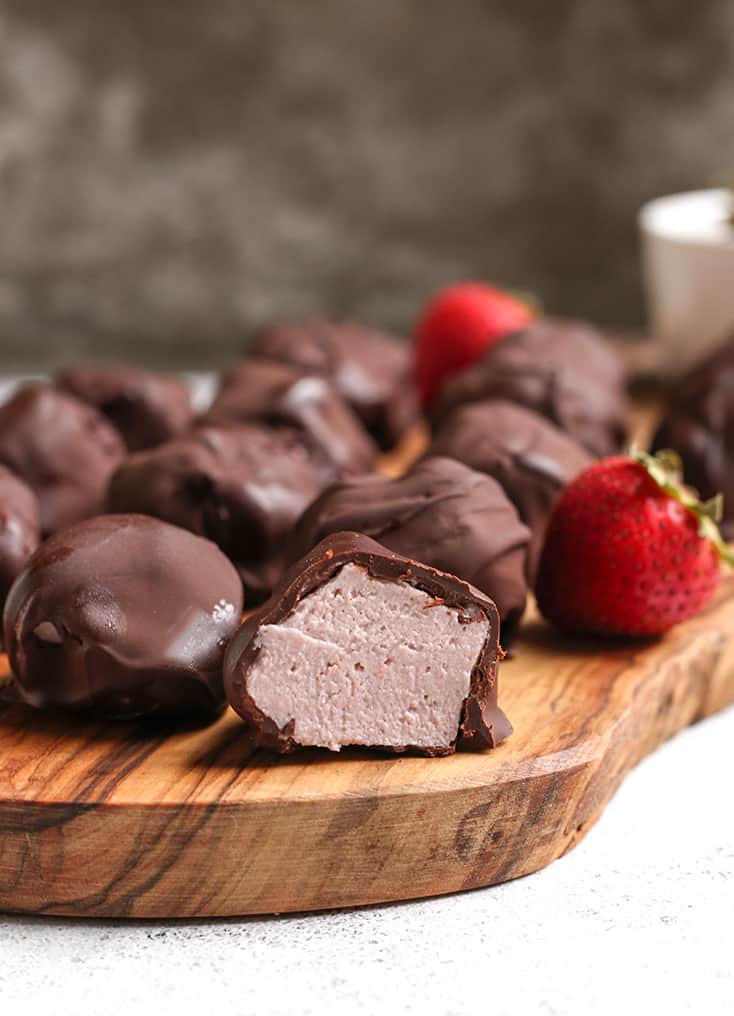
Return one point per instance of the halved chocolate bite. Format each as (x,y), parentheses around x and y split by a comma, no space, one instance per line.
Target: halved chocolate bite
(123,615)
(371,370)
(440,512)
(244,488)
(359,646)
(531,459)
(147,408)
(564,370)
(280,395)
(20,528)
(63,449)
(699,425)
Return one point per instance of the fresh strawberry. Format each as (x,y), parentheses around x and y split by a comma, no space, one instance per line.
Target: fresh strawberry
(456,327)
(629,549)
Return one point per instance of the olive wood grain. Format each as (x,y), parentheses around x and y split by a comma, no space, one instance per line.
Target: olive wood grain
(133,820)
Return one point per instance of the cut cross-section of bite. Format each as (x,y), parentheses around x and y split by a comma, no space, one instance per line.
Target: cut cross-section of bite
(367,661)
(359,646)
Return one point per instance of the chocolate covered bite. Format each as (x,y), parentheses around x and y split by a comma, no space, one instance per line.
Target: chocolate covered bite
(699,425)
(123,615)
(64,449)
(360,646)
(370,370)
(244,488)
(531,459)
(564,370)
(280,395)
(20,528)
(440,512)
(146,408)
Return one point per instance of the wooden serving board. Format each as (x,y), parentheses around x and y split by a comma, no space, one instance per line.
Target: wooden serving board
(128,820)
(120,820)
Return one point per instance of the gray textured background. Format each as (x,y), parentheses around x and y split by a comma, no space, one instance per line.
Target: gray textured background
(173,172)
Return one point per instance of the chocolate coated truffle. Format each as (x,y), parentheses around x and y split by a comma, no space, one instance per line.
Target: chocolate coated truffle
(699,425)
(564,370)
(145,407)
(62,448)
(532,460)
(243,488)
(371,370)
(360,646)
(20,528)
(279,395)
(124,615)
(440,512)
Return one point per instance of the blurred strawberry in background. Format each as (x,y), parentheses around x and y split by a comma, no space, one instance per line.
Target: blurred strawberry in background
(456,327)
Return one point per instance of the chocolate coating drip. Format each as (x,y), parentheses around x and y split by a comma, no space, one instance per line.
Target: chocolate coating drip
(482,723)
(146,408)
(532,460)
(62,448)
(564,370)
(370,370)
(440,512)
(20,528)
(123,615)
(243,488)
(279,395)
(699,425)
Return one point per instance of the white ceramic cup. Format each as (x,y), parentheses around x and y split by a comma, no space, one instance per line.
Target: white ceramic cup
(688,263)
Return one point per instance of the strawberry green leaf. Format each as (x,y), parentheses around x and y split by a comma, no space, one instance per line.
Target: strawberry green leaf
(666,469)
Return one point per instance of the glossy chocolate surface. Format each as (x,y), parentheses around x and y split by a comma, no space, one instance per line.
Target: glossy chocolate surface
(64,449)
(482,724)
(440,512)
(531,459)
(280,395)
(244,488)
(371,370)
(145,407)
(699,425)
(123,615)
(564,370)
(20,528)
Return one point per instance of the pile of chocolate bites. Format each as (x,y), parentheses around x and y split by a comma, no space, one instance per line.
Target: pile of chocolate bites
(381,599)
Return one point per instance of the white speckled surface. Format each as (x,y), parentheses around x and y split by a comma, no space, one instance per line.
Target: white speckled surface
(637,919)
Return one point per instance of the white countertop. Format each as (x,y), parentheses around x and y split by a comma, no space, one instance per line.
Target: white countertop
(637,919)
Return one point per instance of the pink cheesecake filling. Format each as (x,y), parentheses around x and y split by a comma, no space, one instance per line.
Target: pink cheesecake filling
(365,661)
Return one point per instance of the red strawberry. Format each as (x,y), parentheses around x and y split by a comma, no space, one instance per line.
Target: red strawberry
(456,327)
(629,550)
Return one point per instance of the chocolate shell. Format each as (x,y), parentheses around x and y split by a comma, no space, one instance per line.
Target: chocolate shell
(244,488)
(63,449)
(422,680)
(439,512)
(564,370)
(699,425)
(279,395)
(370,370)
(531,459)
(145,407)
(123,615)
(20,528)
